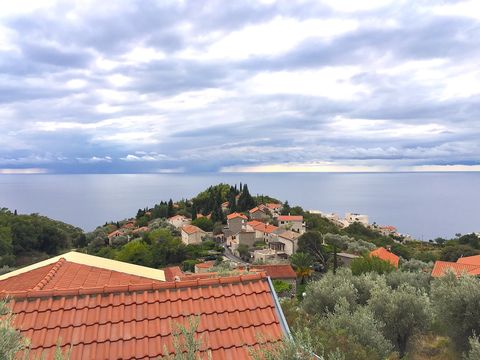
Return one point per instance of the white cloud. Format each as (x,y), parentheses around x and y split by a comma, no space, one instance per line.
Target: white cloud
(469,8)
(272,38)
(23,171)
(305,167)
(95,160)
(330,82)
(144,157)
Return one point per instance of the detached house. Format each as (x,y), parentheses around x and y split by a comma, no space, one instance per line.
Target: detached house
(274,209)
(258,213)
(236,222)
(192,234)
(289,239)
(292,222)
(468,265)
(178,221)
(386,255)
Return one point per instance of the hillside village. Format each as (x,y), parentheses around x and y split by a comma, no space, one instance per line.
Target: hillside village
(245,265)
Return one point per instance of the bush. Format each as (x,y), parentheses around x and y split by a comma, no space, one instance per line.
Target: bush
(368,263)
(474,352)
(456,303)
(135,252)
(362,327)
(281,287)
(322,295)
(415,265)
(189,265)
(405,312)
(418,280)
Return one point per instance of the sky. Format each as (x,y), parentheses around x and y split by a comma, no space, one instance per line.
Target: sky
(239,86)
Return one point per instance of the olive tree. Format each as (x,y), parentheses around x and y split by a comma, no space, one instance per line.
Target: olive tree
(405,311)
(322,295)
(456,304)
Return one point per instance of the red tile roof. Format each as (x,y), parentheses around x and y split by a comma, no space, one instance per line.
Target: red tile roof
(178,217)
(471,260)
(266,228)
(137,321)
(141,229)
(205,265)
(191,229)
(172,272)
(115,233)
(441,267)
(385,255)
(255,209)
(290,218)
(274,206)
(280,271)
(69,275)
(254,223)
(235,215)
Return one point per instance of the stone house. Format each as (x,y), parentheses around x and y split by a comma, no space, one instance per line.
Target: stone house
(192,234)
(292,222)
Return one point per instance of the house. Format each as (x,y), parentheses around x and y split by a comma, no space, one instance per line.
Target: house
(236,222)
(290,241)
(265,255)
(275,209)
(387,230)
(192,234)
(128,225)
(470,260)
(173,273)
(179,221)
(282,272)
(345,258)
(258,213)
(243,237)
(251,224)
(385,255)
(468,265)
(115,234)
(204,267)
(264,232)
(292,222)
(140,230)
(115,310)
(354,217)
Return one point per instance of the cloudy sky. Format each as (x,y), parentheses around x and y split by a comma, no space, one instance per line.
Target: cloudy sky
(210,86)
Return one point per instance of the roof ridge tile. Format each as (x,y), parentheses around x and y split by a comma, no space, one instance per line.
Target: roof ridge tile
(50,275)
(135,287)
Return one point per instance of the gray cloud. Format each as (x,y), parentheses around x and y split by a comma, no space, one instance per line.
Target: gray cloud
(143,86)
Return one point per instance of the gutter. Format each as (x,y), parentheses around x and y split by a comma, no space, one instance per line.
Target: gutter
(278,310)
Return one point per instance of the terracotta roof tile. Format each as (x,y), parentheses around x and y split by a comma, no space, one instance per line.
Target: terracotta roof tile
(205,265)
(441,267)
(266,228)
(274,206)
(137,321)
(254,223)
(171,272)
(191,229)
(235,215)
(290,218)
(385,255)
(69,275)
(471,260)
(280,271)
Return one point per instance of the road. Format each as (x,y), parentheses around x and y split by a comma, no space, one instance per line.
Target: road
(228,254)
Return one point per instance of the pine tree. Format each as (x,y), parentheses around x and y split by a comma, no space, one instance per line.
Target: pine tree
(171,210)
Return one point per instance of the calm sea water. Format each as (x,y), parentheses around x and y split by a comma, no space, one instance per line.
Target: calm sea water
(425,205)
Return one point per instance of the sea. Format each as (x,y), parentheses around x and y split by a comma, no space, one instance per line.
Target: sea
(422,205)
